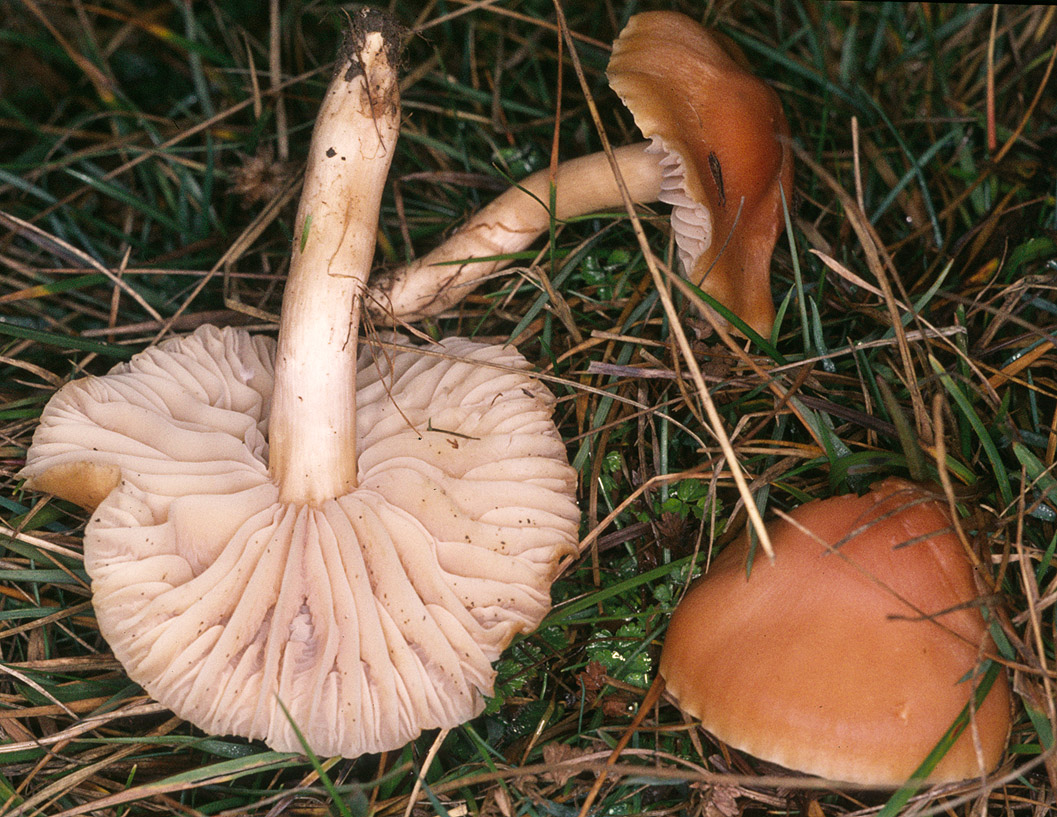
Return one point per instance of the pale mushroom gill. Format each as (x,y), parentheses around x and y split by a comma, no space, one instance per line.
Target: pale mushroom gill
(386,605)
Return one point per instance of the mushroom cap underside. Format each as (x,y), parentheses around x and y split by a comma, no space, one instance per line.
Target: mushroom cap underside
(723,141)
(370,616)
(848,664)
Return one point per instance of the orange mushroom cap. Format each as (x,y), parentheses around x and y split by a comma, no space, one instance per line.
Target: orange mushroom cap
(853,653)
(725,146)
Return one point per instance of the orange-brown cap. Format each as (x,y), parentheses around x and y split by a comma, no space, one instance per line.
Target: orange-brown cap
(724,142)
(851,655)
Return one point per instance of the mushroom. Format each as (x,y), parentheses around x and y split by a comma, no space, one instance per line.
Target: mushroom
(852,653)
(294,534)
(719,153)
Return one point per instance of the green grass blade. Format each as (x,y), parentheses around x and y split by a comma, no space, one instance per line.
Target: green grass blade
(990,449)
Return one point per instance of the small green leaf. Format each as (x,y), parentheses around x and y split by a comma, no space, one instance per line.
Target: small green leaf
(1042,725)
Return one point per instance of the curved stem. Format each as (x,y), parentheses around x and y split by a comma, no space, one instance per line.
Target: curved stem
(312,431)
(508,225)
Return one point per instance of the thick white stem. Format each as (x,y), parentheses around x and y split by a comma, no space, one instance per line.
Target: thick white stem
(312,431)
(508,225)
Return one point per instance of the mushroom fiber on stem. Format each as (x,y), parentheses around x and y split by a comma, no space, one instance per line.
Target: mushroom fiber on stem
(853,653)
(718,152)
(300,534)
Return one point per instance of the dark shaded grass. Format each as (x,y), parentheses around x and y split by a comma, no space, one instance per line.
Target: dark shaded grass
(149,175)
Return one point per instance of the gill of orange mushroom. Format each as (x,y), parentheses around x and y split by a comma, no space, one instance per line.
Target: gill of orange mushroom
(718,152)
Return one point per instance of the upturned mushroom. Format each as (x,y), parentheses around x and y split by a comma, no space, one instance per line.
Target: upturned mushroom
(718,153)
(853,653)
(293,534)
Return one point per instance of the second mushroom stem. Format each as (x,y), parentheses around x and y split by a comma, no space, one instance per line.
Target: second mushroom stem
(510,224)
(312,434)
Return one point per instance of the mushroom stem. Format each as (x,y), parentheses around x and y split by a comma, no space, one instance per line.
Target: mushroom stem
(719,153)
(508,225)
(312,434)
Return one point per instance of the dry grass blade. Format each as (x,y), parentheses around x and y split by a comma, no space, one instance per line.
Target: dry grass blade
(882,268)
(56,245)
